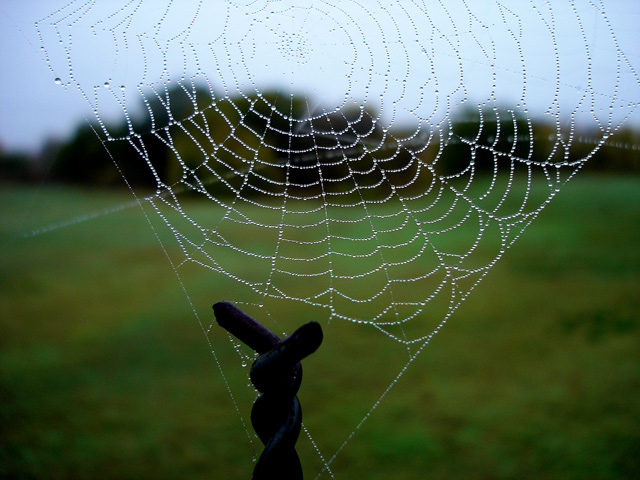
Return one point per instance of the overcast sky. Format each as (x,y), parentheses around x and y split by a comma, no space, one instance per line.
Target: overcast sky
(414,62)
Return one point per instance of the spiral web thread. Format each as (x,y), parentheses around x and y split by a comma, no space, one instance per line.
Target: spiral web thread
(364,162)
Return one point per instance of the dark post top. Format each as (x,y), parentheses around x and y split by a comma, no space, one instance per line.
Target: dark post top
(301,343)
(244,327)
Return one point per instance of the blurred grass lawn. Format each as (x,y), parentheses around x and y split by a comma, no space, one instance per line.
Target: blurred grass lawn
(105,373)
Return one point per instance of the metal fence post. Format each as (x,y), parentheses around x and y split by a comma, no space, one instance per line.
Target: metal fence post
(276,415)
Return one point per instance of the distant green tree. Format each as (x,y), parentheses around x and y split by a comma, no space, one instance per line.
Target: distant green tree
(483,140)
(17,167)
(83,159)
(620,154)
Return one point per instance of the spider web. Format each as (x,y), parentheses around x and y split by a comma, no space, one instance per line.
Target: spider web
(359,162)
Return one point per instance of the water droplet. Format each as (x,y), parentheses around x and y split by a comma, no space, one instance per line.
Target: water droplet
(58,81)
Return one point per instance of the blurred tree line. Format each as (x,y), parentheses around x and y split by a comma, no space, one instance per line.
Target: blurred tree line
(209,142)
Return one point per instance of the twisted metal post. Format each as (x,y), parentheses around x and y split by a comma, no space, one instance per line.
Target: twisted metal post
(276,415)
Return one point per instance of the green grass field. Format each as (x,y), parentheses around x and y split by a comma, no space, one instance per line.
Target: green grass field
(105,372)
